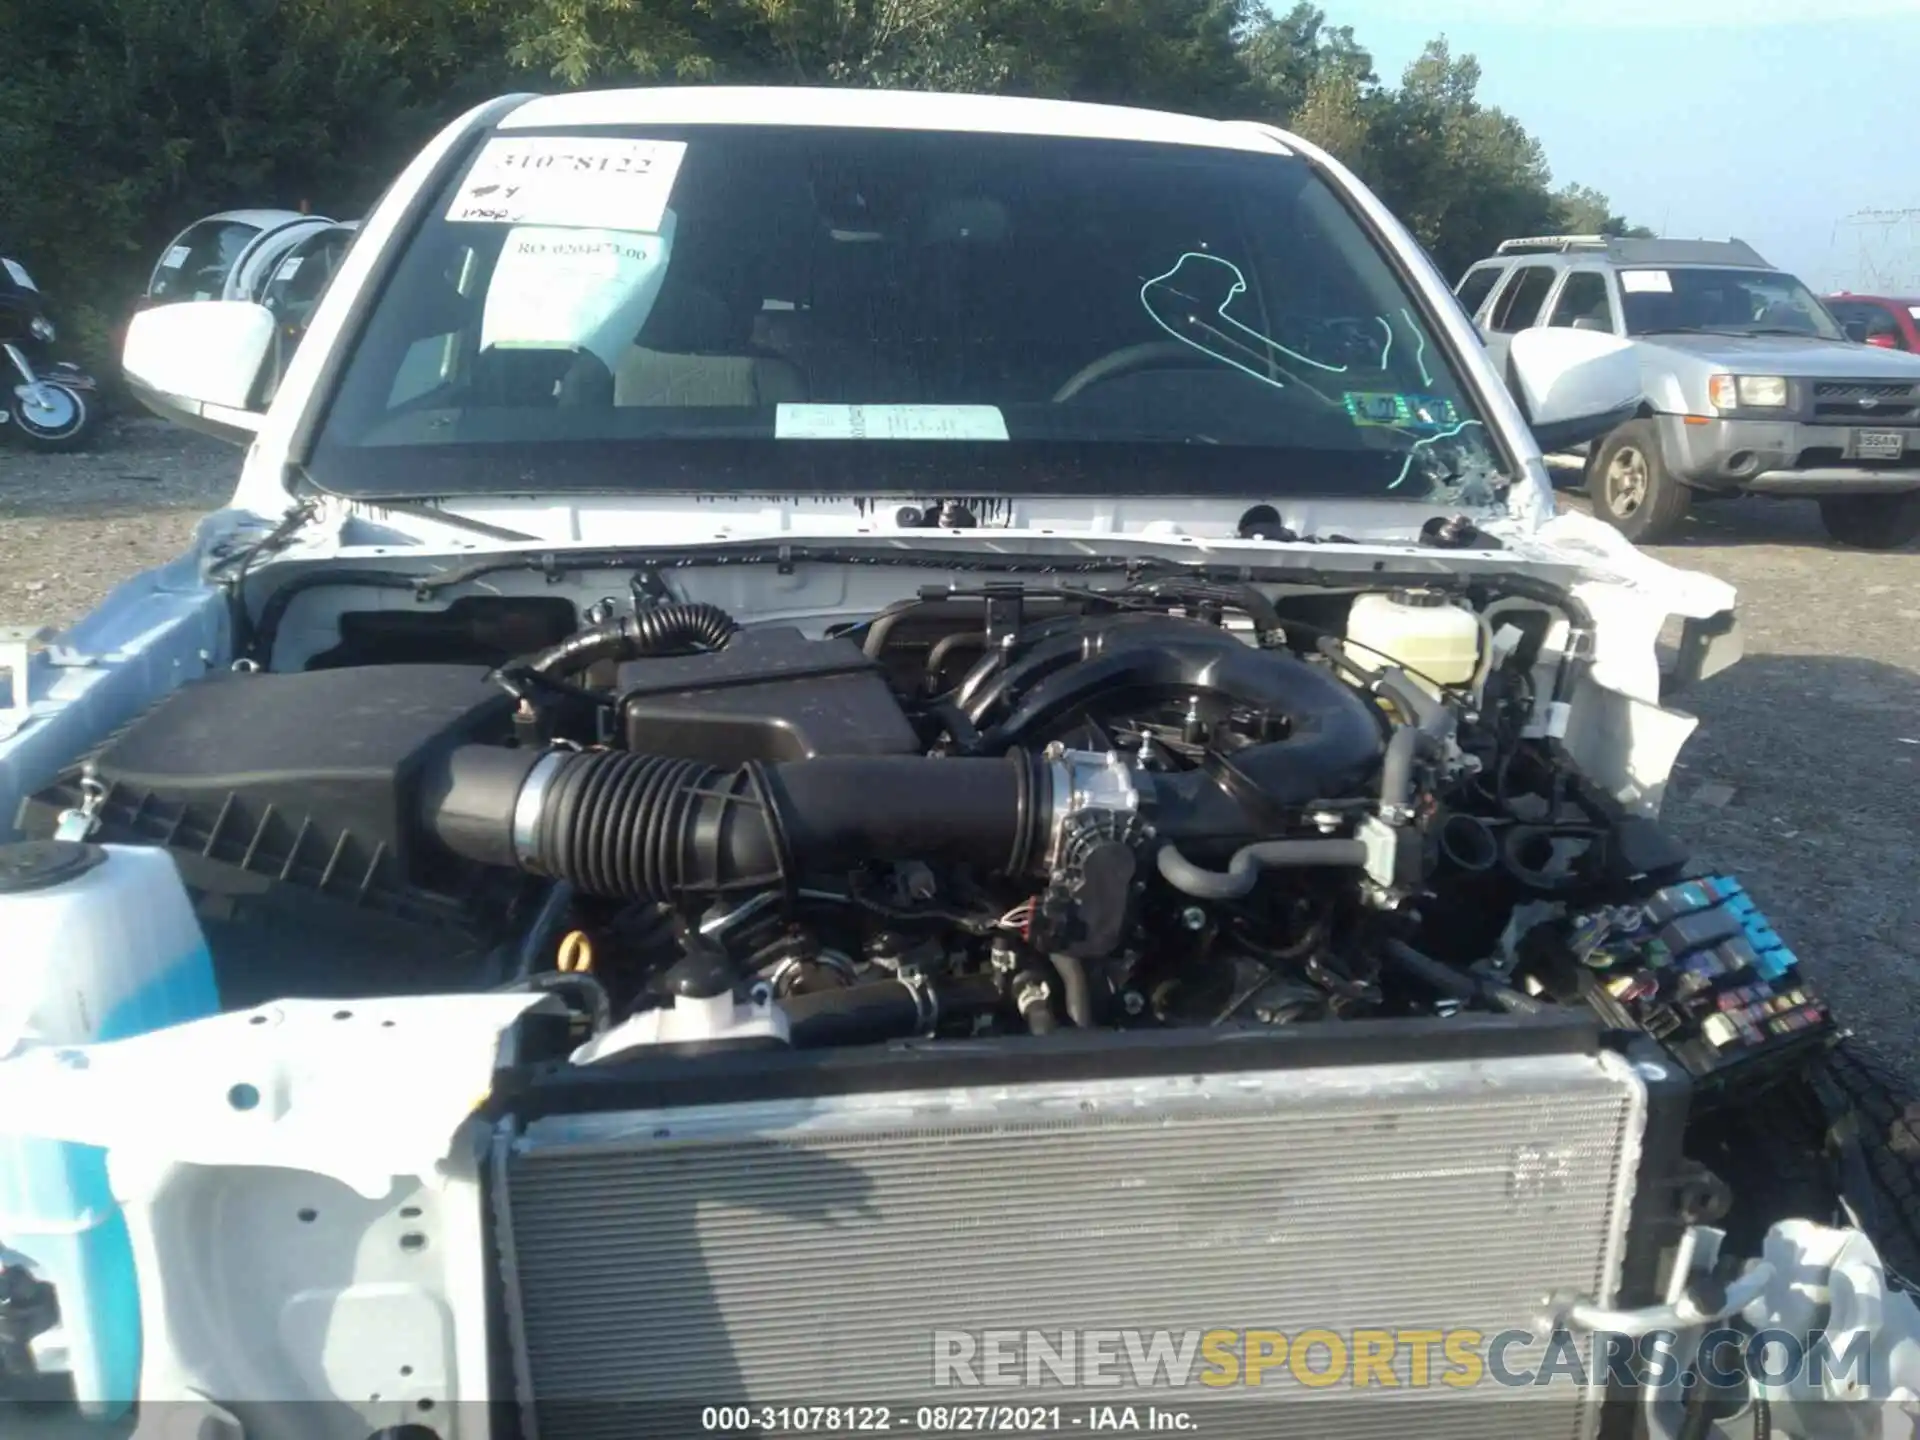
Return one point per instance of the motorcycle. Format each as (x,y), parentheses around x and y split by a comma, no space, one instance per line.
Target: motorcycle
(48,404)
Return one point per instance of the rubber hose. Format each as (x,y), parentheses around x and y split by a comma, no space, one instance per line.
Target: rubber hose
(1336,655)
(646,827)
(1468,989)
(1243,871)
(1075,990)
(657,630)
(881,1010)
(1036,1008)
(1396,771)
(1468,843)
(1444,979)
(1430,716)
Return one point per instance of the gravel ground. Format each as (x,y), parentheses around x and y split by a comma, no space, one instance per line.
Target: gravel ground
(73,526)
(1803,779)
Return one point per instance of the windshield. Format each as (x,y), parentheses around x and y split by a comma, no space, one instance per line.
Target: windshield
(731,308)
(1734,302)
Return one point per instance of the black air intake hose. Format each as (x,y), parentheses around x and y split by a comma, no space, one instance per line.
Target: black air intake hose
(643,827)
(1331,743)
(658,630)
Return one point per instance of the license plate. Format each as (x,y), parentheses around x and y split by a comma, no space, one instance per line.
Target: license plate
(1879,444)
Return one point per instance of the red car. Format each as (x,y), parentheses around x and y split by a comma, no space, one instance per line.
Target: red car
(1877,320)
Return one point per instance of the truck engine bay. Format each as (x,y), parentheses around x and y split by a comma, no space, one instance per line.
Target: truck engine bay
(1107,828)
(1005,810)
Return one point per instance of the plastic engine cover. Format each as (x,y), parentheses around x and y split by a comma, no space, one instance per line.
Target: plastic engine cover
(771,694)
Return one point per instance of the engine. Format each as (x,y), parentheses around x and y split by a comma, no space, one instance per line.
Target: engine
(847,928)
(1009,811)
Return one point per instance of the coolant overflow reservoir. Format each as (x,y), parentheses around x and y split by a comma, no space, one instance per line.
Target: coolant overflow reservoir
(1437,641)
(97,943)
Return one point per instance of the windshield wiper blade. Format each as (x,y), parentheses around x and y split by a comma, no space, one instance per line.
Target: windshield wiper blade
(1798,334)
(311,492)
(422,510)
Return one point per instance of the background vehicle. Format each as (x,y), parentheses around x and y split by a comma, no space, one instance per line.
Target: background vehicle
(1751,386)
(295,284)
(227,256)
(1878,320)
(51,404)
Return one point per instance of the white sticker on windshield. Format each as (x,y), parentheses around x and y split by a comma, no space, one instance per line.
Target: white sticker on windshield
(19,275)
(1914,311)
(889,422)
(569,289)
(591,183)
(292,267)
(176,257)
(1646,282)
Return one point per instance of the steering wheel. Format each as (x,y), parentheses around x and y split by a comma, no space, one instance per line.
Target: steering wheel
(1153,355)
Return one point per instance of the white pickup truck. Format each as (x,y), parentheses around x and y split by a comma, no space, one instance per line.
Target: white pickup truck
(836,737)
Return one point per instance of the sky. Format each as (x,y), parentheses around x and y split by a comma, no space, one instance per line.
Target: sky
(1774,121)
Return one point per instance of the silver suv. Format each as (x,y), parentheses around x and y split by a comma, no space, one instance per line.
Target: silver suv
(1750,386)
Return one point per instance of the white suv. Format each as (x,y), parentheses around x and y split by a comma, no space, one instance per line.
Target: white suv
(1751,386)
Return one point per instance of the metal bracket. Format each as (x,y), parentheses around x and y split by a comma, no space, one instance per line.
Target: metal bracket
(17,644)
(79,824)
(1706,648)
(1005,608)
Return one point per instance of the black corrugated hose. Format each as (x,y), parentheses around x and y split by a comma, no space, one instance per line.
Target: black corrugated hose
(657,630)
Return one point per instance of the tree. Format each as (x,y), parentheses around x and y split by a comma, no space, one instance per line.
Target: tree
(1338,116)
(1579,210)
(123,120)
(1286,56)
(1463,176)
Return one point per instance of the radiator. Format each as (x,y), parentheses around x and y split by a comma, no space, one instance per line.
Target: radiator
(821,1252)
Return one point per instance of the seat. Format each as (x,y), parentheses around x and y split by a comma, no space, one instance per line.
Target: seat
(837,367)
(691,352)
(541,378)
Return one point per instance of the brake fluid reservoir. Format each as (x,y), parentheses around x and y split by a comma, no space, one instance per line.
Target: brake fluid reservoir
(99,942)
(1437,641)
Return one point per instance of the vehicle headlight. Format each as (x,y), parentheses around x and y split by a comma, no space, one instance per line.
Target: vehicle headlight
(42,329)
(1747,392)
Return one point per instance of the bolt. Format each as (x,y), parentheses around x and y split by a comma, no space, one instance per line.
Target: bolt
(1194,918)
